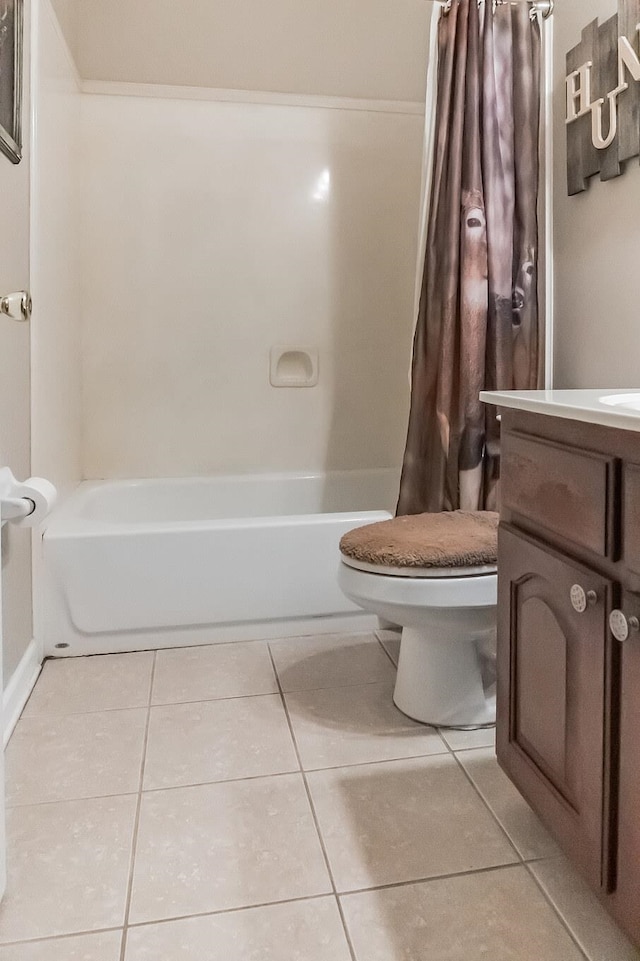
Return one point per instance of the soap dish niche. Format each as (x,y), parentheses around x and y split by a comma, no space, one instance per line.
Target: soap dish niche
(293,367)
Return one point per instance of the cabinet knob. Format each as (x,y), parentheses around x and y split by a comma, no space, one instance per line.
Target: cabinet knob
(581,599)
(622,626)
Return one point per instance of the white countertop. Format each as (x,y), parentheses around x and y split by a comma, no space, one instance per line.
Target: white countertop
(584,405)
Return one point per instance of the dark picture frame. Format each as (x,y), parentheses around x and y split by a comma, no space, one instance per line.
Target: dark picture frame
(11,33)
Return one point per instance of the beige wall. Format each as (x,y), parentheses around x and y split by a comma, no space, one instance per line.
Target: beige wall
(374,49)
(67,14)
(597,246)
(55,327)
(14,393)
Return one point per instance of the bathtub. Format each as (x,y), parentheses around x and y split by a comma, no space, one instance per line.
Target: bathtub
(139,564)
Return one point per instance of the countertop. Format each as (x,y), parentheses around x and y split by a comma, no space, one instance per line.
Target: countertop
(583,405)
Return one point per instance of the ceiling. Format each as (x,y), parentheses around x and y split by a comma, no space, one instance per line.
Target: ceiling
(369,49)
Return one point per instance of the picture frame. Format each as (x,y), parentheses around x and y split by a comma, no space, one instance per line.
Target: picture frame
(11,37)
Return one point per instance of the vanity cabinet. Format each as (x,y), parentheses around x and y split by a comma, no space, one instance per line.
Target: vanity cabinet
(628,806)
(568,683)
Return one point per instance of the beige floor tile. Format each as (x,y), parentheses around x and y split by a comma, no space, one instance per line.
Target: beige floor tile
(68,867)
(228,845)
(497,916)
(594,930)
(215,671)
(402,821)
(334,660)
(105,682)
(392,647)
(299,931)
(353,725)
(82,947)
(75,756)
(468,740)
(209,741)
(528,835)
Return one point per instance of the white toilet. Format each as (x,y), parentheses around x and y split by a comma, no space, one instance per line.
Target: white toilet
(447,612)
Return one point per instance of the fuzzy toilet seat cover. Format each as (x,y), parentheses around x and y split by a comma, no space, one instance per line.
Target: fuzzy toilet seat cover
(452,539)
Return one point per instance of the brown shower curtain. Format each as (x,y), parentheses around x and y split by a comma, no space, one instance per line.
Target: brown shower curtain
(478,325)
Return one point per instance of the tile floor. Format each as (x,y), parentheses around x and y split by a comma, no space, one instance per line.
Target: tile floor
(266,802)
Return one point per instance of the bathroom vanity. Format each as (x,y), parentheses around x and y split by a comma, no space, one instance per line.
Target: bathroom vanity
(569,627)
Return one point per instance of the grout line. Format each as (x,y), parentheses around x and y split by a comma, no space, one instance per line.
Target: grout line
(345,926)
(226,780)
(206,700)
(381,643)
(136,825)
(433,878)
(302,772)
(138,707)
(555,909)
(237,910)
(462,750)
(488,807)
(250,777)
(235,780)
(341,687)
(267,904)
(313,811)
(446,752)
(58,937)
(61,716)
(71,800)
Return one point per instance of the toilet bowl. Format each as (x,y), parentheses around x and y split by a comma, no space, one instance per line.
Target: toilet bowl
(448,621)
(447,610)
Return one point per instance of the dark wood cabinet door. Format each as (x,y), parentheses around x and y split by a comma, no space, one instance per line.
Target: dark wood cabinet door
(551,694)
(626,900)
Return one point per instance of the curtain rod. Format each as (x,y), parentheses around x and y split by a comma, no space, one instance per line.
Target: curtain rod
(543,7)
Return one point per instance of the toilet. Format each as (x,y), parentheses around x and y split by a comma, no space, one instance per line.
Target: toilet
(435,575)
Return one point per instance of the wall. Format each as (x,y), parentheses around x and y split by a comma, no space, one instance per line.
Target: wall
(373,49)
(56,323)
(14,391)
(597,339)
(66,12)
(213,231)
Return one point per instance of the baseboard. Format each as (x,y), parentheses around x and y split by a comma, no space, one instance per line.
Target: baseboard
(19,688)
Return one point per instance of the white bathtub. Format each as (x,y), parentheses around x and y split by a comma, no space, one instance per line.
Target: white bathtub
(131,565)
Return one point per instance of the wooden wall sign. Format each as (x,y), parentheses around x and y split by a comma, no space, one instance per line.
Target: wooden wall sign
(603,98)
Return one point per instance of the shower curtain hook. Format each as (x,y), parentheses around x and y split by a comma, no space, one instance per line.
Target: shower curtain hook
(542,7)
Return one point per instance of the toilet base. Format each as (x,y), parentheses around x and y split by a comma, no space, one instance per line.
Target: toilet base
(439,680)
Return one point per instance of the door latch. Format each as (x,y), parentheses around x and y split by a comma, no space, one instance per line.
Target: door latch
(17,306)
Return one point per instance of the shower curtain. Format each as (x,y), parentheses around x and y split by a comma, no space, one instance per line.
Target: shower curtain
(477,326)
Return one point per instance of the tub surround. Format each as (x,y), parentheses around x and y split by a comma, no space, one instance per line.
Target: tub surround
(569,627)
(280,225)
